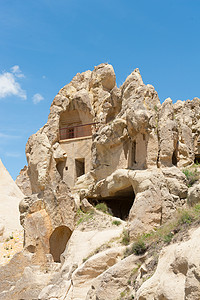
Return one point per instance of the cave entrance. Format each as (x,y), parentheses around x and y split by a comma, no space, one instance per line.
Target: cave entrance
(58,241)
(197,159)
(120,203)
(80,167)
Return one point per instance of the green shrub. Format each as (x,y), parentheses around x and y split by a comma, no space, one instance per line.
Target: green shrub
(116,222)
(122,294)
(84,217)
(139,247)
(102,207)
(192,176)
(185,217)
(85,259)
(167,238)
(125,237)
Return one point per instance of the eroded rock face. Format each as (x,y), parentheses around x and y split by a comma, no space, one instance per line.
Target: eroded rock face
(23,182)
(176,276)
(194,194)
(133,130)
(41,215)
(112,283)
(134,143)
(107,144)
(157,195)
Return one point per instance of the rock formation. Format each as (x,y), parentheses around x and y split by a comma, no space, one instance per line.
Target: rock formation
(104,144)
(10,196)
(23,182)
(177,274)
(11,232)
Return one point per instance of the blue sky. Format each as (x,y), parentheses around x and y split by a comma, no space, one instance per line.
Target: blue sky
(44,43)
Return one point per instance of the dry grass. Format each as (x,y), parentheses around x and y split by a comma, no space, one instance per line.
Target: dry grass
(167,233)
(10,246)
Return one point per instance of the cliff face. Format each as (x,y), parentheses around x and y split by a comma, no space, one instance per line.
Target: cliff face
(118,148)
(96,129)
(164,135)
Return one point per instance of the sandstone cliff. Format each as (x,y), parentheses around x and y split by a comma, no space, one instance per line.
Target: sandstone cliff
(11,232)
(112,148)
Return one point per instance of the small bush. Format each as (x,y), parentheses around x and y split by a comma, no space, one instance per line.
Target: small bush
(192,176)
(122,294)
(102,207)
(116,222)
(167,238)
(125,238)
(139,247)
(84,217)
(185,218)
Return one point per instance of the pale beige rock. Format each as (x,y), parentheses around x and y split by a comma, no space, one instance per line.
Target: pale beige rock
(10,196)
(168,135)
(111,283)
(86,206)
(176,274)
(23,182)
(158,193)
(194,194)
(131,152)
(38,154)
(84,276)
(96,265)
(45,215)
(77,274)
(21,279)
(89,241)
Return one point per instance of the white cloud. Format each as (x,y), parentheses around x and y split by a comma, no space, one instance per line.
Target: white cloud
(37,98)
(9,85)
(12,154)
(43,77)
(17,72)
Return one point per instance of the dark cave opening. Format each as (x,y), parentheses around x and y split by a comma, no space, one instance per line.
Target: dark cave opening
(175,155)
(174,159)
(119,204)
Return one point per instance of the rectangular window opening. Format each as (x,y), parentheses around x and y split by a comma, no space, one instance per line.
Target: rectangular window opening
(71,133)
(80,166)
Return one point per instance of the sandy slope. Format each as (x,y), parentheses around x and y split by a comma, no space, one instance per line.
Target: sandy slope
(10,196)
